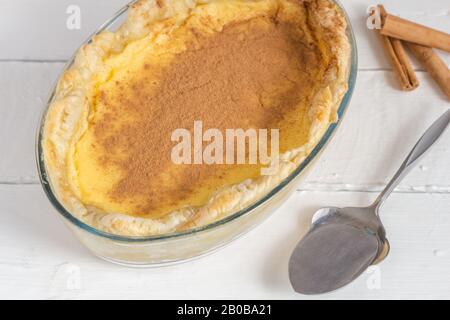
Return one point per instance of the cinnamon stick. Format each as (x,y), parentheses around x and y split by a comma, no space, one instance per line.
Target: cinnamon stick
(435,66)
(403,29)
(400,61)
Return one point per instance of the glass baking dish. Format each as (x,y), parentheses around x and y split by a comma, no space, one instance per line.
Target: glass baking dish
(182,246)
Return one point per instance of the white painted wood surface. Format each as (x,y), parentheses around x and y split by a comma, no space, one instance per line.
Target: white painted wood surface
(39,257)
(38,27)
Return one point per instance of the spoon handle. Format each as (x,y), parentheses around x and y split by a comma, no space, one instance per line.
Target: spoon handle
(420,149)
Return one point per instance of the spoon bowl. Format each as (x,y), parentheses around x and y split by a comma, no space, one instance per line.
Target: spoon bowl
(340,245)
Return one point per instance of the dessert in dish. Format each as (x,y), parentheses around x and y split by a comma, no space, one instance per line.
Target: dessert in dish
(262,64)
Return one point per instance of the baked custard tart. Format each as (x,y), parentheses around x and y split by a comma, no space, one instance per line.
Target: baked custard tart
(265,64)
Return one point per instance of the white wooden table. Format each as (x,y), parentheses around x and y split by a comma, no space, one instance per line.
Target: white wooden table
(39,258)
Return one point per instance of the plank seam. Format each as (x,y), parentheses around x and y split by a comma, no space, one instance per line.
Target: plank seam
(312,187)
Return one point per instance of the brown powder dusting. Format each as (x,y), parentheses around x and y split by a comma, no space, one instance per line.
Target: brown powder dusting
(248,76)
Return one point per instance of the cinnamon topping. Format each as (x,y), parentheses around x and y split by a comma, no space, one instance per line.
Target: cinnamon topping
(250,75)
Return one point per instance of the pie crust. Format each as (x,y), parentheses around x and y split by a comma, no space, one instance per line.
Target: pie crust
(157,23)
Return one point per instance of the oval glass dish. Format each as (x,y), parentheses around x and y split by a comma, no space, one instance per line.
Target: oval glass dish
(182,246)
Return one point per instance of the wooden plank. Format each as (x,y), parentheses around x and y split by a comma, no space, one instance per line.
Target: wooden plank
(380,127)
(39,257)
(24,88)
(39,29)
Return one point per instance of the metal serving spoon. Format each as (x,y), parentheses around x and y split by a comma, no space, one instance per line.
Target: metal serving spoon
(343,242)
